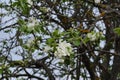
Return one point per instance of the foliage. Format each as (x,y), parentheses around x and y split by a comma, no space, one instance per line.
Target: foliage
(117,30)
(59,39)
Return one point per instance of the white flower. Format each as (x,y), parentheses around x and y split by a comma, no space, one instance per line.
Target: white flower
(94,35)
(30,3)
(97,1)
(62,60)
(47,48)
(32,22)
(44,9)
(63,49)
(30,42)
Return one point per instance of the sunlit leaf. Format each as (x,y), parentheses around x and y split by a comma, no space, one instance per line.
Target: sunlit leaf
(117,30)
(1,70)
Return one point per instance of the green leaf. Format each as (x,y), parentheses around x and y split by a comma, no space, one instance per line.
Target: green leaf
(76,43)
(21,22)
(56,33)
(22,5)
(117,30)
(1,70)
(36,29)
(50,41)
(15,4)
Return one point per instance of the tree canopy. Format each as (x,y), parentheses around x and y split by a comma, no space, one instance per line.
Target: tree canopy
(59,40)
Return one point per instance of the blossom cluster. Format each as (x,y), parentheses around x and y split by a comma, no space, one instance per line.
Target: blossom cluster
(63,49)
(47,48)
(32,22)
(30,42)
(94,35)
(30,3)
(97,1)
